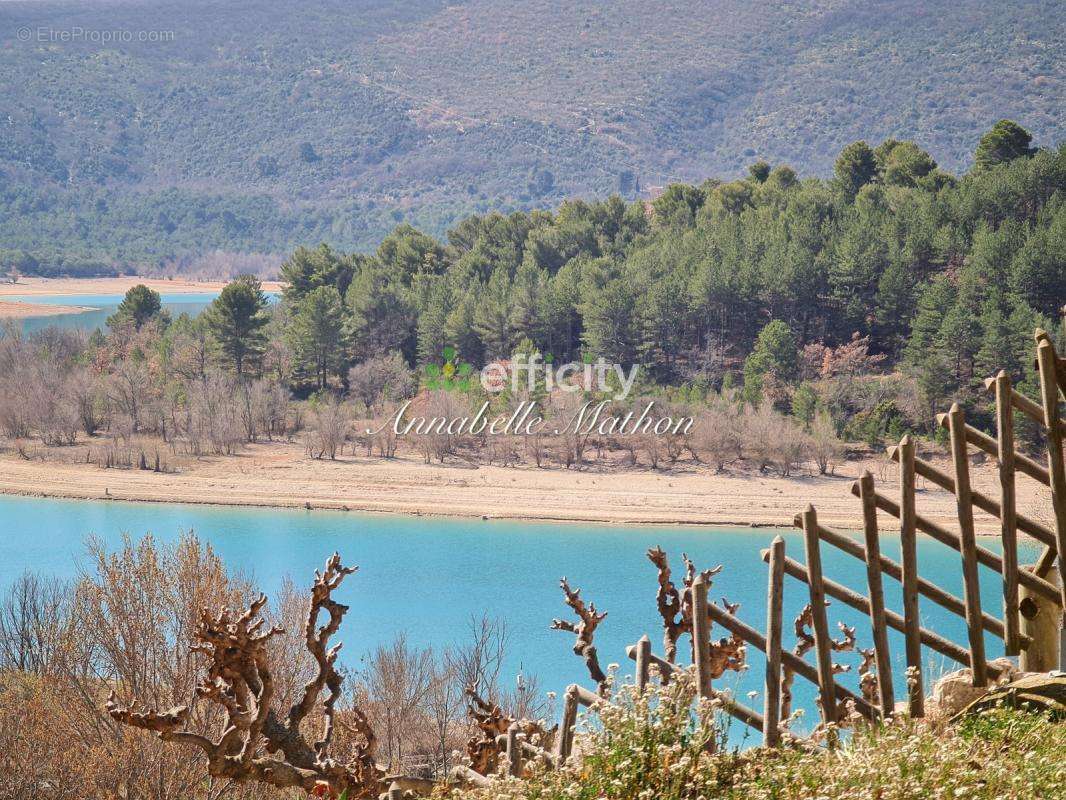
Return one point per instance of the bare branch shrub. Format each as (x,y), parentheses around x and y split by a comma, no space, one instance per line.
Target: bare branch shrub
(328,430)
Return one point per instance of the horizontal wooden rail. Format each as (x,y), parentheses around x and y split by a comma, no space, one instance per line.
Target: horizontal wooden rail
(529,749)
(1030,408)
(749,716)
(585,697)
(666,669)
(894,570)
(986,557)
(462,774)
(983,441)
(1041,533)
(788,659)
(933,641)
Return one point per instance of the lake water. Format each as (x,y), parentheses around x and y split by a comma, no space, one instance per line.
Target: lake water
(428,576)
(103,306)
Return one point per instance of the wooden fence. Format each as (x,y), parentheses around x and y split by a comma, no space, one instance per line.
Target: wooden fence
(1028,592)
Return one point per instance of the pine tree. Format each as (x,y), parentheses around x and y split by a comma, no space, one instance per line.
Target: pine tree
(236,319)
(317,332)
(492,317)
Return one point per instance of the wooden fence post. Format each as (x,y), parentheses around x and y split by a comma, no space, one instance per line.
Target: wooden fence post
(822,642)
(788,659)
(701,636)
(968,545)
(643,659)
(1040,619)
(566,725)
(514,752)
(908,540)
(771,734)
(877,594)
(1008,512)
(1047,361)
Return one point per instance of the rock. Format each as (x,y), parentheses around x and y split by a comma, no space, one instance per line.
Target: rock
(1037,692)
(955,691)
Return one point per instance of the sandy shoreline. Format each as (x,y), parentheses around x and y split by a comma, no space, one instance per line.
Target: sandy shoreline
(19,310)
(45,287)
(281,476)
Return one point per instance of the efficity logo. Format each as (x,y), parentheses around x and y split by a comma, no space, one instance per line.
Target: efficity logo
(449,375)
(532,372)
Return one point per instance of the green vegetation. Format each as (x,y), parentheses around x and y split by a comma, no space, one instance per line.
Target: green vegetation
(874,297)
(254,128)
(858,306)
(236,318)
(654,747)
(138,306)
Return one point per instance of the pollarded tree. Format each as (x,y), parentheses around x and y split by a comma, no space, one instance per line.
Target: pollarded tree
(1006,141)
(258,742)
(236,319)
(317,333)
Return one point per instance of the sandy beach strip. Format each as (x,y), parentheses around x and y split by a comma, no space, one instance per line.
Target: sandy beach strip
(19,310)
(50,287)
(281,476)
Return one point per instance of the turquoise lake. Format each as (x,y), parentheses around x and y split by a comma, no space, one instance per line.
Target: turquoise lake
(429,576)
(103,306)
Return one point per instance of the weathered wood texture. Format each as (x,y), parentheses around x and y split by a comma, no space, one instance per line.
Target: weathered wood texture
(877,595)
(774,627)
(971,581)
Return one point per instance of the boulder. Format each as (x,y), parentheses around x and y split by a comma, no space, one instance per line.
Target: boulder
(955,691)
(1038,692)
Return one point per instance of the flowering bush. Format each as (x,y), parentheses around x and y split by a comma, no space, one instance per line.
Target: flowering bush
(663,746)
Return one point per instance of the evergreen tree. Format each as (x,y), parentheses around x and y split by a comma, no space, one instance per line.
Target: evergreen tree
(236,319)
(318,334)
(855,167)
(609,320)
(1038,272)
(432,322)
(492,317)
(382,317)
(140,305)
(1006,141)
(307,269)
(529,294)
(775,353)
(902,163)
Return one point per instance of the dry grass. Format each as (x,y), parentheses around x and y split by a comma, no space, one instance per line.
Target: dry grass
(653,748)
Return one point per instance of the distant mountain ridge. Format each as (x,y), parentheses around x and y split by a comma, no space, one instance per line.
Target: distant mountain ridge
(256,126)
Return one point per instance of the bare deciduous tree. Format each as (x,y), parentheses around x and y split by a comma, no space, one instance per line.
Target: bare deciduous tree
(329,429)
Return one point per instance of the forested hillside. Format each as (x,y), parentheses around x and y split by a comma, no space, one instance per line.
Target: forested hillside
(252,127)
(768,282)
(784,316)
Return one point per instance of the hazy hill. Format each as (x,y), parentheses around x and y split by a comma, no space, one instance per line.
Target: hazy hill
(251,126)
